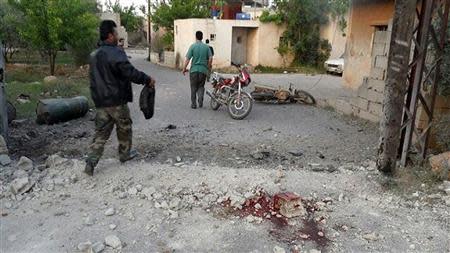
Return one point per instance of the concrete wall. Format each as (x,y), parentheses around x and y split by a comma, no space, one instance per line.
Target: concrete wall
(335,37)
(364,16)
(260,49)
(368,103)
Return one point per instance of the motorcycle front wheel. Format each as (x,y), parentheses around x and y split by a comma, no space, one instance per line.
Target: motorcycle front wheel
(240,108)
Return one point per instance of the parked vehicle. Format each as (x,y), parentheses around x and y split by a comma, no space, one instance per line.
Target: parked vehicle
(335,65)
(229,92)
(282,96)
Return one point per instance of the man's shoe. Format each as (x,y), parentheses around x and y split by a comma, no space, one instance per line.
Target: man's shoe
(89,169)
(193,106)
(133,154)
(200,105)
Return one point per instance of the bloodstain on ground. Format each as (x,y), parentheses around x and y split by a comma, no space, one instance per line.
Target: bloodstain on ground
(290,231)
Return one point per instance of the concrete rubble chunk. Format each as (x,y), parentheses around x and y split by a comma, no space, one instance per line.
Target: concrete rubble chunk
(289,204)
(98,247)
(3,146)
(278,249)
(5,160)
(18,184)
(110,211)
(148,192)
(113,241)
(440,165)
(25,163)
(84,246)
(54,161)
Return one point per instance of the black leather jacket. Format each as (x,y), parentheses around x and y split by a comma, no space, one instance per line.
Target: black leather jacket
(111,75)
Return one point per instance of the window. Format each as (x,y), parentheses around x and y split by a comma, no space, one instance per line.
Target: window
(212,37)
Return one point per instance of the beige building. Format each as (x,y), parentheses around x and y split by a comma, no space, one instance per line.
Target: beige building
(366,18)
(239,41)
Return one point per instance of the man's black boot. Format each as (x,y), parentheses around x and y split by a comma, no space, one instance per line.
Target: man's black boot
(89,169)
(131,155)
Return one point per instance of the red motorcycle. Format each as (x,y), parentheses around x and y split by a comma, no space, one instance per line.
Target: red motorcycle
(229,92)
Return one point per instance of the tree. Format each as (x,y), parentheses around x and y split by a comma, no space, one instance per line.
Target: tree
(303,19)
(128,16)
(166,12)
(52,25)
(11,19)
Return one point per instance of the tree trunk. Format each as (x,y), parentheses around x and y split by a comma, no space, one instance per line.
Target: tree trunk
(52,61)
(394,93)
(3,107)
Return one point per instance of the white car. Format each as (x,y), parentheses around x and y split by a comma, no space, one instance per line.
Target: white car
(335,65)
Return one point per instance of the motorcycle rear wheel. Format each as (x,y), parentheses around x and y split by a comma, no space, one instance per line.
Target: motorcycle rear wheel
(240,110)
(303,97)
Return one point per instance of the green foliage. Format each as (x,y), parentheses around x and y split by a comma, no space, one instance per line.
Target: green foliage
(11,19)
(168,11)
(168,41)
(52,25)
(303,19)
(338,11)
(267,17)
(128,17)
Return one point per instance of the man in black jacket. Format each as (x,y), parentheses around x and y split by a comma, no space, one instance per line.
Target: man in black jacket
(111,75)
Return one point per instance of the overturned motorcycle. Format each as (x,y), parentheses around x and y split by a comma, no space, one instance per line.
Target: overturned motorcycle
(282,96)
(229,92)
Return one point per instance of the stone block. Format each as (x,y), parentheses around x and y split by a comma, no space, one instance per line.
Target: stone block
(344,107)
(378,73)
(368,116)
(376,85)
(381,61)
(362,103)
(375,108)
(169,59)
(375,96)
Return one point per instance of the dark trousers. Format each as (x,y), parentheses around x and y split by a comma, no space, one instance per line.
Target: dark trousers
(198,80)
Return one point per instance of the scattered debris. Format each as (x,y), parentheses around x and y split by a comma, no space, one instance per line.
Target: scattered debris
(25,164)
(5,160)
(110,211)
(84,246)
(171,127)
(278,249)
(296,153)
(18,184)
(113,241)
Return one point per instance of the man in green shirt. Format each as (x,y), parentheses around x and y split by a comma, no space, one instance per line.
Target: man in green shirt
(200,57)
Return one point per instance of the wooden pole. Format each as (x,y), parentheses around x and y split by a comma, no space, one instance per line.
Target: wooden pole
(149,32)
(3,107)
(396,85)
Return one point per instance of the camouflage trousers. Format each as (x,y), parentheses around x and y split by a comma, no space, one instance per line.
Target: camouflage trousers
(105,120)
